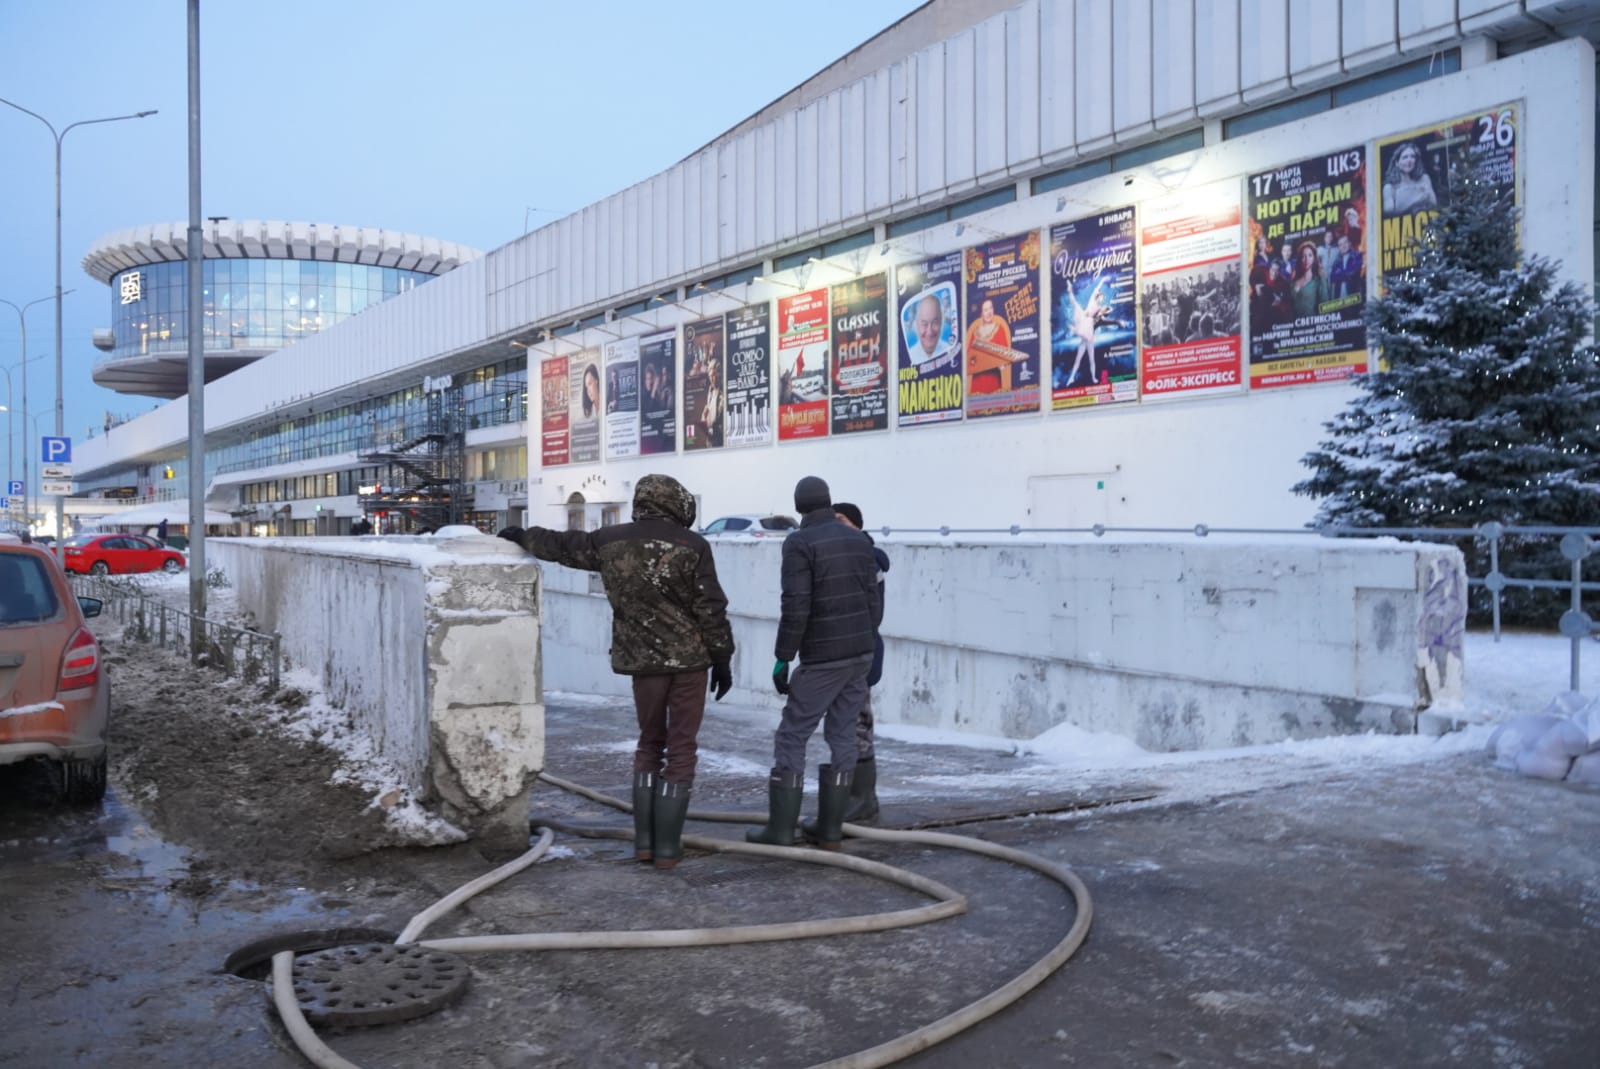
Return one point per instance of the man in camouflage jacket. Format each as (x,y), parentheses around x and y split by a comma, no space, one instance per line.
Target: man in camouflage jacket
(669,626)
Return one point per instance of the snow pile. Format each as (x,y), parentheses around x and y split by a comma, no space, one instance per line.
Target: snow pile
(1561,743)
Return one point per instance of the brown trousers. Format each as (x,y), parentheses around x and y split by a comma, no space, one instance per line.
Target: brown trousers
(670,708)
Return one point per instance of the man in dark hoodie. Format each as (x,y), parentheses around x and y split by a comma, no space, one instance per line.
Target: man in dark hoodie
(831,609)
(669,625)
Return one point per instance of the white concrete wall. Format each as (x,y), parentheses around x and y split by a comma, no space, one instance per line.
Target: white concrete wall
(1226,460)
(1178,645)
(431,648)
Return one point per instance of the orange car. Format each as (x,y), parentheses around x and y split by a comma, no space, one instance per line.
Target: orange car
(55,699)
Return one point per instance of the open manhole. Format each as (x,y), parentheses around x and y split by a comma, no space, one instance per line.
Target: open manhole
(253,961)
(376,983)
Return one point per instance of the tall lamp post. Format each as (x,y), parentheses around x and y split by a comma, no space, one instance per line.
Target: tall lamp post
(21,365)
(59,136)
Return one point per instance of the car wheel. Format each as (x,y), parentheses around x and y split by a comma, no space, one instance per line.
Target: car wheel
(169,566)
(99,567)
(83,782)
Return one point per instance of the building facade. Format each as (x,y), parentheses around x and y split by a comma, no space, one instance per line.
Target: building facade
(1040,271)
(264,285)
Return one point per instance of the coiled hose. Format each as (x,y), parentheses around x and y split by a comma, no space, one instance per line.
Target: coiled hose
(947,903)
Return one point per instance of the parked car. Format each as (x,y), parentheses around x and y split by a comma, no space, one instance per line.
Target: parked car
(750,526)
(120,554)
(55,696)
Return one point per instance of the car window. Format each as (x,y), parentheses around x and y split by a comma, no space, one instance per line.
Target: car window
(25,589)
(80,540)
(715,525)
(737,523)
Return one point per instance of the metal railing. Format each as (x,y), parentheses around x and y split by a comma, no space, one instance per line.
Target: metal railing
(1577,544)
(237,651)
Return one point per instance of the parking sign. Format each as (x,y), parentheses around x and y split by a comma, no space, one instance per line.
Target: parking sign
(14,488)
(55,450)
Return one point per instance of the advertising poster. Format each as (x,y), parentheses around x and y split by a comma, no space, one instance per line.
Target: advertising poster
(1002,343)
(703,393)
(583,397)
(749,376)
(803,366)
(622,398)
(1189,279)
(931,388)
(658,393)
(1093,334)
(860,355)
(1308,272)
(554,442)
(1419,170)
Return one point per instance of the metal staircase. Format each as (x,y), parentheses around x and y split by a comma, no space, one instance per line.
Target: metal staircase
(424,478)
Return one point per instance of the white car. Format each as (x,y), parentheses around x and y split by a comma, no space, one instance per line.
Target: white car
(749,526)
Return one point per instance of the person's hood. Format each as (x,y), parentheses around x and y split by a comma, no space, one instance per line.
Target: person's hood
(661,497)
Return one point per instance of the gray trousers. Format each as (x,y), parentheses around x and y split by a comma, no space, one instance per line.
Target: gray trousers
(832,692)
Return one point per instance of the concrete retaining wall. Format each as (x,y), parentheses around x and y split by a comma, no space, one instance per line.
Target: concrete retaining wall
(430,646)
(1178,645)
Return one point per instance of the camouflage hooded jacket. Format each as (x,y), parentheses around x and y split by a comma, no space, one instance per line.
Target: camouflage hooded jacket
(668,610)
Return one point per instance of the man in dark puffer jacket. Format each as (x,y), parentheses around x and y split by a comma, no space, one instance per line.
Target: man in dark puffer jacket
(831,609)
(669,625)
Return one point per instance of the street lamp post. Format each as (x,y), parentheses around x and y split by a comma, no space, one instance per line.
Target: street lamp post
(22,326)
(21,365)
(60,407)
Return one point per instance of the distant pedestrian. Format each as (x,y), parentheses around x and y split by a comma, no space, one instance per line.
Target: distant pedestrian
(669,626)
(830,615)
(161,531)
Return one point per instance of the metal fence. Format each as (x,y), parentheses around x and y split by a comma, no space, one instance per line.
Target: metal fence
(1576,543)
(237,651)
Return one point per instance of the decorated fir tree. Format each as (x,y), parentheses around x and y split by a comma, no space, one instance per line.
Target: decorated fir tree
(1488,406)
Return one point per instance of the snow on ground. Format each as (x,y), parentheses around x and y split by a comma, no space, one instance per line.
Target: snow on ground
(1520,674)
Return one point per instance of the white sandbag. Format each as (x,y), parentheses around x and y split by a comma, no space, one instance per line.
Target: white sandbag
(1586,770)
(1564,739)
(1566,704)
(1588,718)
(1516,735)
(1543,766)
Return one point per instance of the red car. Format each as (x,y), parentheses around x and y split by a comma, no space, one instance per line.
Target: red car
(120,554)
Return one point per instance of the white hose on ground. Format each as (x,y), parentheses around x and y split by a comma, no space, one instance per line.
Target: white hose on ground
(413,930)
(948,903)
(317,1052)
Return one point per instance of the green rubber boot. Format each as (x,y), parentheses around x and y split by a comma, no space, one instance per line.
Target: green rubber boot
(784,791)
(833,798)
(863,800)
(671,806)
(863,793)
(644,789)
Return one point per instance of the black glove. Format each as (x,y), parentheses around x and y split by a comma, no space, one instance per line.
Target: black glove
(721,679)
(511,534)
(780,677)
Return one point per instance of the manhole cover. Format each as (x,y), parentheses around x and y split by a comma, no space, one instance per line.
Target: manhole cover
(376,983)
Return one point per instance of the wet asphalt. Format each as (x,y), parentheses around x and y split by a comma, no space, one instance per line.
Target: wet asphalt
(1445,914)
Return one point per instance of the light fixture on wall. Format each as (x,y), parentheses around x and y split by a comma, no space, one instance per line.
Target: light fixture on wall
(1061,202)
(884,251)
(961,228)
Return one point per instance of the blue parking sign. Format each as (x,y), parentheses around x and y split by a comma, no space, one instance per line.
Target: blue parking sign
(14,488)
(55,450)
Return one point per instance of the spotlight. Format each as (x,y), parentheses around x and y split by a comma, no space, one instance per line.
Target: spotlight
(961,228)
(1061,202)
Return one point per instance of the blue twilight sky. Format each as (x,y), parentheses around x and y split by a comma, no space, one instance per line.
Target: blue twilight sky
(443,119)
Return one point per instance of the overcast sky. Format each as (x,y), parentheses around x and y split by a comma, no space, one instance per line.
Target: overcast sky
(443,119)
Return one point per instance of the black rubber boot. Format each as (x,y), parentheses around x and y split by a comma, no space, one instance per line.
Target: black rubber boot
(784,792)
(644,789)
(863,793)
(671,806)
(833,797)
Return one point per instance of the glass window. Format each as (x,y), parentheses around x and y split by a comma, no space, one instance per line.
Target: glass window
(1159,150)
(1277,114)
